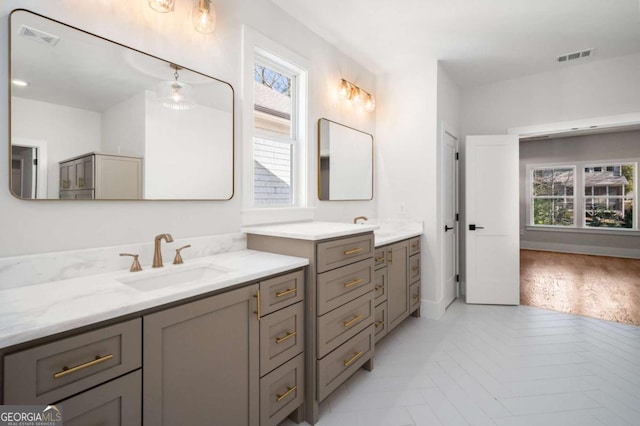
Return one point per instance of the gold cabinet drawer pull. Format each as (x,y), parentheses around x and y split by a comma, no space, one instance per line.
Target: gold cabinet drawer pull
(284,293)
(352,359)
(380,259)
(257,311)
(414,269)
(390,259)
(288,336)
(379,324)
(352,251)
(353,282)
(286,394)
(416,296)
(353,320)
(379,287)
(66,370)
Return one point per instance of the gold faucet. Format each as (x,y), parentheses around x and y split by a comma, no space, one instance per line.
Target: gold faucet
(356,219)
(157,253)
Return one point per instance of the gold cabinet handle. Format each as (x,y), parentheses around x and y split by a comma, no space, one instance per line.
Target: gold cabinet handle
(353,282)
(286,394)
(66,370)
(352,251)
(284,293)
(80,182)
(414,269)
(257,311)
(379,287)
(379,323)
(416,296)
(390,260)
(352,359)
(380,259)
(288,336)
(353,320)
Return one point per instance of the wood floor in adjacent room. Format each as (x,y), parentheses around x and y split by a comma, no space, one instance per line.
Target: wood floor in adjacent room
(593,286)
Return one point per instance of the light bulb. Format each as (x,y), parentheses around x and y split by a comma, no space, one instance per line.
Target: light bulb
(370,103)
(344,90)
(357,96)
(162,6)
(204,16)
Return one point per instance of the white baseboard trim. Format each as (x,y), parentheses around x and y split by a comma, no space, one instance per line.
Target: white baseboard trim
(579,249)
(431,309)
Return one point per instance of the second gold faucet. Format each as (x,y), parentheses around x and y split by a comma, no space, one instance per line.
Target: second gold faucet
(157,252)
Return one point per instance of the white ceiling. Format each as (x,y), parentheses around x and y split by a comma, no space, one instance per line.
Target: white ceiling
(478,41)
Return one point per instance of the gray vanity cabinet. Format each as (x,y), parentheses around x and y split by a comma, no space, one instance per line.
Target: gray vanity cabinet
(398,284)
(201,362)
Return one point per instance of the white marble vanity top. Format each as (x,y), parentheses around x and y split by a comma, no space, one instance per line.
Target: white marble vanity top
(309,230)
(35,311)
(393,230)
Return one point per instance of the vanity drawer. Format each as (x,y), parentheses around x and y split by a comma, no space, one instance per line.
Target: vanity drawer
(56,370)
(414,246)
(340,364)
(380,258)
(414,296)
(337,287)
(343,323)
(380,286)
(282,391)
(337,253)
(281,337)
(380,321)
(282,291)
(414,268)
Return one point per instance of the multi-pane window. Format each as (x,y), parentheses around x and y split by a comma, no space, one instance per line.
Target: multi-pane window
(275,138)
(553,196)
(608,191)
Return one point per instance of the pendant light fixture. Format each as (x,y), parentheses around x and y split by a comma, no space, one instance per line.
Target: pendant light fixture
(175,94)
(204,16)
(162,6)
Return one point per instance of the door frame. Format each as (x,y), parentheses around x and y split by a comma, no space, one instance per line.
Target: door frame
(445,129)
(42,168)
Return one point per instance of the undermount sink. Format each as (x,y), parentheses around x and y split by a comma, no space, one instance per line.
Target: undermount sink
(174,276)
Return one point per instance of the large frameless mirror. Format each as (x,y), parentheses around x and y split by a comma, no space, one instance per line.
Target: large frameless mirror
(92,119)
(345,162)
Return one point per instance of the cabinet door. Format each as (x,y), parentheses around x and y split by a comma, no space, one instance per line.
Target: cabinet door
(67,175)
(84,172)
(201,362)
(116,403)
(398,288)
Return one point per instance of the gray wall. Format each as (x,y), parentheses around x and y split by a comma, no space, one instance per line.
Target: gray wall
(607,146)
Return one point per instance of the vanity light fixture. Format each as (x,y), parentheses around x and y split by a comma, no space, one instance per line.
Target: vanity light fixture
(352,93)
(19,83)
(175,94)
(162,6)
(204,16)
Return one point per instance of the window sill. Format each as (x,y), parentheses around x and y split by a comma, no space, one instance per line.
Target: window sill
(261,216)
(601,231)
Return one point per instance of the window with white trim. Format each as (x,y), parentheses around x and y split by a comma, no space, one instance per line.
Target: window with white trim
(276,136)
(603,194)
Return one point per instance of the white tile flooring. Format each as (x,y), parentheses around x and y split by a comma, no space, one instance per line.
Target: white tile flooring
(496,365)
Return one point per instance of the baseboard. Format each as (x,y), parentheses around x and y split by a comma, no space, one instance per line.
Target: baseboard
(431,309)
(579,249)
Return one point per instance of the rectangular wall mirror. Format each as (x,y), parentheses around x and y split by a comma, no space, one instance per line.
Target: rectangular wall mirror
(93,119)
(345,162)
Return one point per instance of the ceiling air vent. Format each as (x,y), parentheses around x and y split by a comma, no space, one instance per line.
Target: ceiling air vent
(37,35)
(575,55)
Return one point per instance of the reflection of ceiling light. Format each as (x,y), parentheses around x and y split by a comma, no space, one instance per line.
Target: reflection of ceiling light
(161,5)
(204,16)
(175,94)
(19,83)
(352,93)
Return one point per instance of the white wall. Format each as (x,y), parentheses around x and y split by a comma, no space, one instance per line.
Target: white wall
(26,226)
(605,146)
(123,127)
(407,160)
(68,132)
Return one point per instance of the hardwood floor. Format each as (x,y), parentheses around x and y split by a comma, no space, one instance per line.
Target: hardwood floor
(593,286)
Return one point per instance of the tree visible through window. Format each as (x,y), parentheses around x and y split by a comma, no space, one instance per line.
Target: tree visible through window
(552,196)
(608,191)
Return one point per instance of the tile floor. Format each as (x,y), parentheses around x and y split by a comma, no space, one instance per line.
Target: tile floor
(496,365)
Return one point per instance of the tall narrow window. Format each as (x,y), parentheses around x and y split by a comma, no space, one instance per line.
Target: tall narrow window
(275,136)
(552,193)
(608,191)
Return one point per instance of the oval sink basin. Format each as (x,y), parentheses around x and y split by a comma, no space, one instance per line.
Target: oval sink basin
(155,280)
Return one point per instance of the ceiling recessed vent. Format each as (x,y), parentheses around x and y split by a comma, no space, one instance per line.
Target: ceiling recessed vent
(37,35)
(575,55)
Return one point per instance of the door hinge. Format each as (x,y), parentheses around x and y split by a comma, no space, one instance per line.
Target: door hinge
(457,278)
(457,155)
(457,217)
(35,161)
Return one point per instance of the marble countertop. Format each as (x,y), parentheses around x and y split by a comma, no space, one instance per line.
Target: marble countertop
(391,231)
(313,231)
(35,311)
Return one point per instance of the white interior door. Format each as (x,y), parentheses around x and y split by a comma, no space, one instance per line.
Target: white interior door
(449,210)
(492,234)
